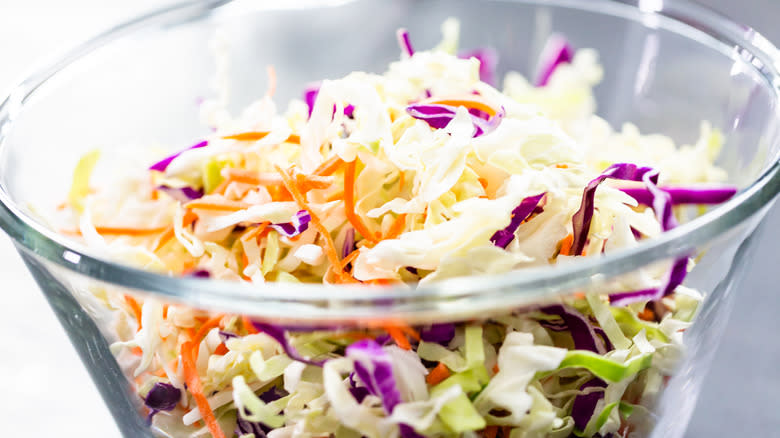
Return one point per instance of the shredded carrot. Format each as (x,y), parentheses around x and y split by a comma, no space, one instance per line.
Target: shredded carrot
(490,432)
(254,232)
(221,188)
(204,329)
(165,311)
(397,227)
(330,247)
(252,178)
(259,135)
(130,231)
(137,351)
(294,138)
(401,180)
(562,166)
(313,182)
(483,182)
(398,336)
(468,101)
(221,349)
(495,368)
(195,387)
(349,258)
(217,205)
(566,245)
(189,217)
(62,206)
(437,374)
(244,264)
(349,203)
(646,315)
(329,166)
(135,307)
(271,81)
(579,295)
(410,332)
(248,326)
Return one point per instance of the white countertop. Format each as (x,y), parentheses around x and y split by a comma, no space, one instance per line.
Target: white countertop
(48,393)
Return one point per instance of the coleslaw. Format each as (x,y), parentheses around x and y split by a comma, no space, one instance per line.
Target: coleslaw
(420,174)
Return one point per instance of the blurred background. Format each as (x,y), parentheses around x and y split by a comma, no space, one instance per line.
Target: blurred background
(46,392)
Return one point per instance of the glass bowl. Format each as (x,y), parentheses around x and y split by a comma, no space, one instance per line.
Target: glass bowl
(668,65)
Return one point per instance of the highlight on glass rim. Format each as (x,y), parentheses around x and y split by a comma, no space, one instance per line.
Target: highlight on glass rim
(436,169)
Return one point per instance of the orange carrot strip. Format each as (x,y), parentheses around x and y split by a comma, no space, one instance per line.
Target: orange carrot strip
(259,135)
(330,247)
(468,101)
(135,307)
(248,326)
(350,258)
(401,180)
(169,233)
(437,374)
(566,245)
(329,166)
(221,205)
(195,387)
(398,336)
(221,188)
(137,351)
(130,231)
(221,349)
(254,232)
(646,315)
(204,329)
(495,368)
(490,432)
(349,203)
(247,136)
(397,227)
(313,182)
(562,166)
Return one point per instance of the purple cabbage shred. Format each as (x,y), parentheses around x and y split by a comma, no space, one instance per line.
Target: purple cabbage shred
(297,225)
(161,165)
(502,238)
(280,335)
(556,51)
(162,397)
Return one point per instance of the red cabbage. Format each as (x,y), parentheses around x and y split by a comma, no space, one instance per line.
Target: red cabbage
(200,273)
(298,224)
(310,96)
(162,397)
(438,116)
(583,217)
(375,369)
(585,404)
(661,203)
(245,427)
(183,194)
(582,331)
(684,195)
(556,51)
(226,335)
(280,335)
(358,392)
(404,41)
(349,243)
(488,60)
(163,164)
(503,238)
(439,333)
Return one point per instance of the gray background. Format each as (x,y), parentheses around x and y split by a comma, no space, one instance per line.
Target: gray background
(46,392)
(740,393)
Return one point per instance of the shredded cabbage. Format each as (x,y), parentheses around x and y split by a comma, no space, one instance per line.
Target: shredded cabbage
(422,173)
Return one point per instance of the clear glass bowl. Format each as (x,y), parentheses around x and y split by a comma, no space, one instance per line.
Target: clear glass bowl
(668,66)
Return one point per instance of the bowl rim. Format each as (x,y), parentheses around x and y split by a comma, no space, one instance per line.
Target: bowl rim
(314,302)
